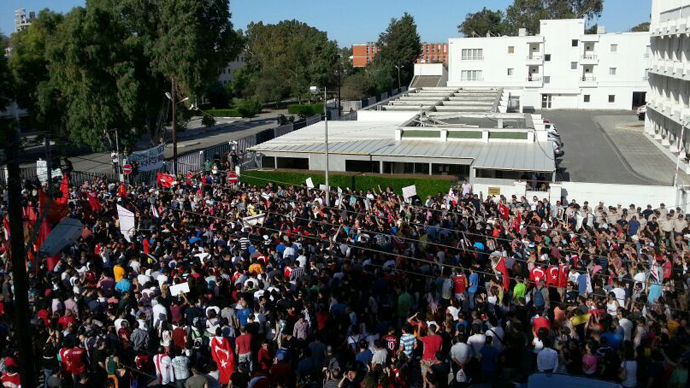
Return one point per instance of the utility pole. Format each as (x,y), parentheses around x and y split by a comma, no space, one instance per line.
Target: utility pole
(325,123)
(21,291)
(398,67)
(174,127)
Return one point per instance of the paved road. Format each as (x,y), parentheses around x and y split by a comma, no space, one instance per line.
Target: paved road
(590,154)
(190,140)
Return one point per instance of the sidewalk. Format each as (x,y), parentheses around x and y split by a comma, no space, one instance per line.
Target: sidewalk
(641,154)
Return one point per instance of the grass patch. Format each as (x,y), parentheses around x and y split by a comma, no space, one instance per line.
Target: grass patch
(425,186)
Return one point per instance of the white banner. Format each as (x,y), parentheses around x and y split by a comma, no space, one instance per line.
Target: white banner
(409,191)
(150,159)
(127,225)
(310,183)
(254,220)
(42,171)
(178,289)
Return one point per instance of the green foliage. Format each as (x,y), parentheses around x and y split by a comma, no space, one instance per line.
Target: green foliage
(218,95)
(248,107)
(482,22)
(592,29)
(292,53)
(108,64)
(527,14)
(425,186)
(642,27)
(399,45)
(304,111)
(357,86)
(223,112)
(6,81)
(208,121)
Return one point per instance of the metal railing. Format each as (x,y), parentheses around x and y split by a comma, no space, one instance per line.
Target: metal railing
(534,57)
(588,57)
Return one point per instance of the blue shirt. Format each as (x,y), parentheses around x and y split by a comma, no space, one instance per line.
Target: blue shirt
(474,282)
(365,357)
(123,286)
(242,316)
(489,356)
(582,284)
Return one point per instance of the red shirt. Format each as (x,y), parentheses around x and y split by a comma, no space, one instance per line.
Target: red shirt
(459,283)
(178,338)
(76,360)
(432,344)
(10,380)
(552,276)
(540,323)
(243,343)
(65,361)
(65,320)
(536,274)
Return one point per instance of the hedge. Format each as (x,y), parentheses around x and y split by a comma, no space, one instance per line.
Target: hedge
(425,186)
(223,112)
(305,110)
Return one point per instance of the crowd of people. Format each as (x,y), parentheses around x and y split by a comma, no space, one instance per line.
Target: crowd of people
(224,284)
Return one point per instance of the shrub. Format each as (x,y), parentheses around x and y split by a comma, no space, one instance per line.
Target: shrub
(304,111)
(223,112)
(249,107)
(208,121)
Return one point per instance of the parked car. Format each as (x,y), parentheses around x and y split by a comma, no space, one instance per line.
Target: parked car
(641,112)
(551,129)
(556,140)
(557,150)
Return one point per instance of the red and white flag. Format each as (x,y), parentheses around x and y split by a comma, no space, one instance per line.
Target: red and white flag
(165,180)
(498,263)
(224,358)
(505,212)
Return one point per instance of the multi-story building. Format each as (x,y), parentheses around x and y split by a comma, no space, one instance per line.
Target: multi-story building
(561,67)
(668,107)
(227,72)
(22,20)
(362,54)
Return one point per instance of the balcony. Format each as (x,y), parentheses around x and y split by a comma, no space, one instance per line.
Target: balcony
(589,59)
(535,81)
(534,39)
(678,69)
(588,81)
(534,59)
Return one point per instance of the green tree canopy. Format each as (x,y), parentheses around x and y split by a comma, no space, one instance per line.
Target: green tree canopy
(482,22)
(291,53)
(399,45)
(642,27)
(6,81)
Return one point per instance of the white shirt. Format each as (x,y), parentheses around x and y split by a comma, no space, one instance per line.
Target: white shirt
(460,352)
(164,369)
(630,373)
(627,327)
(477,342)
(498,334)
(547,360)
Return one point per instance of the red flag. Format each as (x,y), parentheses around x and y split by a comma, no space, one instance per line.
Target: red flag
(499,265)
(122,191)
(517,221)
(165,180)
(64,189)
(224,358)
(505,213)
(94,203)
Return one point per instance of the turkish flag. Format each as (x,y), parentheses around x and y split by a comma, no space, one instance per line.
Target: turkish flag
(224,358)
(516,222)
(94,203)
(64,189)
(499,265)
(165,180)
(503,209)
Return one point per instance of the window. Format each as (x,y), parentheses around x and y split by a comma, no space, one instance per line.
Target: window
(511,49)
(472,54)
(573,65)
(614,48)
(547,57)
(612,71)
(547,79)
(612,98)
(586,97)
(471,75)
(574,42)
(362,166)
(511,71)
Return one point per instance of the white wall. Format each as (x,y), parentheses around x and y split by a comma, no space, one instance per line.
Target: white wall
(559,78)
(613,195)
(429,69)
(385,116)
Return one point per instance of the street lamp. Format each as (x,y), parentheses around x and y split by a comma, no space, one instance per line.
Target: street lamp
(171,97)
(315,91)
(399,67)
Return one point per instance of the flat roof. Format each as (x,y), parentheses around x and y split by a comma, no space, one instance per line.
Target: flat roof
(378,139)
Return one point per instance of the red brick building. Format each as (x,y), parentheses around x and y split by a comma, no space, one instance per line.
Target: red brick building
(362,54)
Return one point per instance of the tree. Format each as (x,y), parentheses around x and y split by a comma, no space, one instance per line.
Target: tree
(6,81)
(218,95)
(357,86)
(528,13)
(294,53)
(249,107)
(399,45)
(482,22)
(642,27)
(592,29)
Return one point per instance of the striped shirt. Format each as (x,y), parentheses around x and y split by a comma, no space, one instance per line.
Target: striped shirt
(408,340)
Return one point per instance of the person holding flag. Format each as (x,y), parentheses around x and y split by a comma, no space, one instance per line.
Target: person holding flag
(223,356)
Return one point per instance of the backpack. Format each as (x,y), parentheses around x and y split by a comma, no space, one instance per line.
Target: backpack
(539,298)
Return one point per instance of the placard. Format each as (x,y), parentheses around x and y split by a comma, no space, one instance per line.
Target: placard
(494,191)
(310,183)
(409,191)
(178,289)
(127,224)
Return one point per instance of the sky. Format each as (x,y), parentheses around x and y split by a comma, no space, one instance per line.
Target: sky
(360,21)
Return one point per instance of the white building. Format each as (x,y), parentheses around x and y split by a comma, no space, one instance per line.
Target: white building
(226,73)
(22,20)
(668,107)
(561,68)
